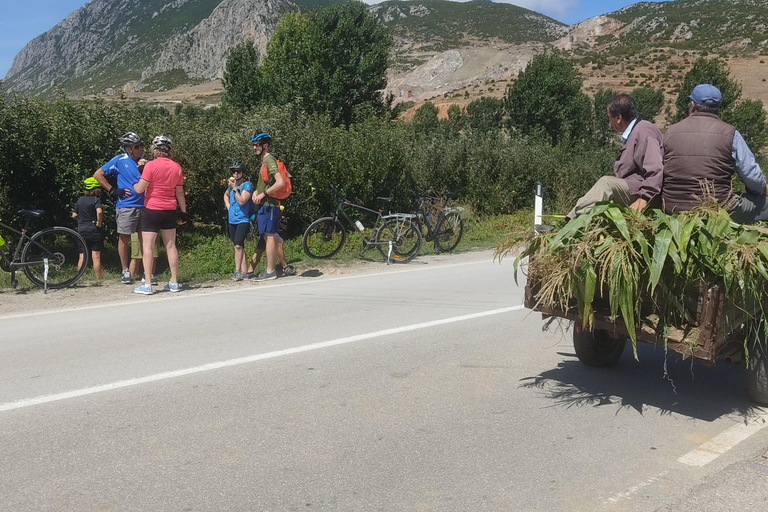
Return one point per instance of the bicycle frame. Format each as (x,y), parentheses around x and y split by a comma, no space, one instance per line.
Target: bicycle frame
(12,259)
(369,241)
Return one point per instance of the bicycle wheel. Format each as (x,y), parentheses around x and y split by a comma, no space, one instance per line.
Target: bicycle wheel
(323,238)
(449,231)
(405,236)
(62,248)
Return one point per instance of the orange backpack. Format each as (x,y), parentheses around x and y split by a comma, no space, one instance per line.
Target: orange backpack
(286,190)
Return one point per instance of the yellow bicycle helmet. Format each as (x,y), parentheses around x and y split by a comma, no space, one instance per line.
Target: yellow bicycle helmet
(91,183)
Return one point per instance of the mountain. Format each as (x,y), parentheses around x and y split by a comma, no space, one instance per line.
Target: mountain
(141,44)
(441,46)
(137,45)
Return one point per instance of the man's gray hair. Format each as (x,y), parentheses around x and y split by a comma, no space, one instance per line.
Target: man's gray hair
(705,109)
(623,105)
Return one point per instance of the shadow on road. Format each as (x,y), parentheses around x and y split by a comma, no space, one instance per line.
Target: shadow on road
(680,387)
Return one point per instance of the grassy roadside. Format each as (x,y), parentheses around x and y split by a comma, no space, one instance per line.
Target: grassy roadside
(207,254)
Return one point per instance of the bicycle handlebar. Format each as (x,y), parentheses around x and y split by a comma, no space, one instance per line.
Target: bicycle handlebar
(337,193)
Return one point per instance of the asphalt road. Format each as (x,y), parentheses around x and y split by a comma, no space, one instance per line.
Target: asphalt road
(422,387)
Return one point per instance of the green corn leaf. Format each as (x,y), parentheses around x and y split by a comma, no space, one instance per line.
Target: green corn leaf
(660,250)
(691,224)
(567,231)
(748,236)
(761,268)
(590,282)
(627,308)
(642,243)
(615,215)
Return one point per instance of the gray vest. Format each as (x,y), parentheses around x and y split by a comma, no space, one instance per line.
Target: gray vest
(696,149)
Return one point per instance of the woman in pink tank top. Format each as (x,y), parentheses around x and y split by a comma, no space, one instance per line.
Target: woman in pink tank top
(162,182)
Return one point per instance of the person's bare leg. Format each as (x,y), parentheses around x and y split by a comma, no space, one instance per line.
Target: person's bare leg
(255,259)
(281,255)
(169,240)
(240,258)
(124,250)
(96,257)
(271,240)
(147,243)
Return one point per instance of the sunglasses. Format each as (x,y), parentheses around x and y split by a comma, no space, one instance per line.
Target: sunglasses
(237,170)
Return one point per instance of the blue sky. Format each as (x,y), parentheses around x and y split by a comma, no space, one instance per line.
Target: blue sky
(22,20)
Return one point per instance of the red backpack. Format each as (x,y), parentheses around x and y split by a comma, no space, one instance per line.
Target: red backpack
(286,189)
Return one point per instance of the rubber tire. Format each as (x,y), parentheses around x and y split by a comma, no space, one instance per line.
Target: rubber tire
(446,231)
(324,226)
(757,371)
(402,251)
(67,240)
(597,348)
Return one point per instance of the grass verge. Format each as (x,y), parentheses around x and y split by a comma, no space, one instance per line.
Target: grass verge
(206,254)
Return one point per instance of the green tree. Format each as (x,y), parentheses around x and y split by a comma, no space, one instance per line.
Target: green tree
(602,129)
(425,119)
(547,98)
(457,119)
(241,76)
(750,119)
(649,102)
(708,71)
(330,61)
(485,114)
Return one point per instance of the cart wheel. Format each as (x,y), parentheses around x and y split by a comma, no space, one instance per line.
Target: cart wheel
(757,371)
(597,348)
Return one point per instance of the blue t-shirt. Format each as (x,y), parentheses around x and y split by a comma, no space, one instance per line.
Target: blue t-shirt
(240,214)
(127,171)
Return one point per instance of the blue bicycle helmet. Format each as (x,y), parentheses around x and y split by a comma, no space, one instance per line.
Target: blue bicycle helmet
(261,138)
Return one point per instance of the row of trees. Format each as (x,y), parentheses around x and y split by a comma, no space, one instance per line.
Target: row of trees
(337,128)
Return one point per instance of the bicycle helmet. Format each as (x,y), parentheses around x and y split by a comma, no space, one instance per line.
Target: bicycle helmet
(129,139)
(162,143)
(91,183)
(261,138)
(238,165)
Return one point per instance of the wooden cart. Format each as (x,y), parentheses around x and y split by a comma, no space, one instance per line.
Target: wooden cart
(714,329)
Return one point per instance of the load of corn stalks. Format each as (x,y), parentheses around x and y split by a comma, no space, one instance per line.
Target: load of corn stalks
(619,261)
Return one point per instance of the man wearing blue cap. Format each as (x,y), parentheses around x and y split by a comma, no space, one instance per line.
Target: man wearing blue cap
(701,153)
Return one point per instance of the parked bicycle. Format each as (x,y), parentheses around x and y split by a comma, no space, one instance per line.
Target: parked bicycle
(441,224)
(395,235)
(49,258)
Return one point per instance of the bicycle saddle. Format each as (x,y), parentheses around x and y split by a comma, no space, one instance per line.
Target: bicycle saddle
(32,213)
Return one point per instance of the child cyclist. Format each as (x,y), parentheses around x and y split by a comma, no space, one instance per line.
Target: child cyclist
(237,199)
(90,217)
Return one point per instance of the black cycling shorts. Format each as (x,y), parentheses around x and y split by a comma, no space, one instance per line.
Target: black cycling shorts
(156,220)
(238,232)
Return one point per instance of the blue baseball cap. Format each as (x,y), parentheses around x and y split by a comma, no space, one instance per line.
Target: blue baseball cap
(707,95)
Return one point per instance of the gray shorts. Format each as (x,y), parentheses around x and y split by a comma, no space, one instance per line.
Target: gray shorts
(127,220)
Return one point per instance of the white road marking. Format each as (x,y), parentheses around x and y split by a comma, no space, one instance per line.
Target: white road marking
(187,295)
(635,489)
(724,441)
(44,399)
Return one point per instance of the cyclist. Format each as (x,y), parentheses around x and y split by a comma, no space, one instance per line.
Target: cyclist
(268,214)
(163,181)
(90,217)
(237,199)
(125,168)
